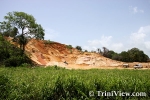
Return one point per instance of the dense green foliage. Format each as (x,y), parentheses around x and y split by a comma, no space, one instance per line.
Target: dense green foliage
(132,55)
(10,55)
(56,83)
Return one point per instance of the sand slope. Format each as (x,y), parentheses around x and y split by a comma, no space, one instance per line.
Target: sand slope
(54,53)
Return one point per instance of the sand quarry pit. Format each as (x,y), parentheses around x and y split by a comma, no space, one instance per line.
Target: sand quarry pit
(45,53)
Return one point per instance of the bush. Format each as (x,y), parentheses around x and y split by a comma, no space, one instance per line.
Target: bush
(79,48)
(15,61)
(11,55)
(85,51)
(69,46)
(12,61)
(48,41)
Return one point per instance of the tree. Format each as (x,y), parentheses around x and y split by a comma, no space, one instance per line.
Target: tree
(79,48)
(85,50)
(21,26)
(116,56)
(125,56)
(105,52)
(110,54)
(137,55)
(132,55)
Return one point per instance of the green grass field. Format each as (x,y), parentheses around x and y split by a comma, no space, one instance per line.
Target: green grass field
(53,83)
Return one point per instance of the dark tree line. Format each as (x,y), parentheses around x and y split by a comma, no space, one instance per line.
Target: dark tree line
(10,55)
(132,55)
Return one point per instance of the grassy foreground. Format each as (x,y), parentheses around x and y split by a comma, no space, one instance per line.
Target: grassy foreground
(53,83)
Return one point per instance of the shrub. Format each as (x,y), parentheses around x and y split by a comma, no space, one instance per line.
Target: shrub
(69,46)
(11,55)
(48,41)
(15,61)
(85,51)
(79,48)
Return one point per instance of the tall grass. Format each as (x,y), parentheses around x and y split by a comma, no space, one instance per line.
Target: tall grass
(58,83)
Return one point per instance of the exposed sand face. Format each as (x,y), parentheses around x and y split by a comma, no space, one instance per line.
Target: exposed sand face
(48,54)
(57,54)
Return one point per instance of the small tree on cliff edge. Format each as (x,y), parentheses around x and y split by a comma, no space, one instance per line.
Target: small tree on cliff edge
(79,48)
(21,26)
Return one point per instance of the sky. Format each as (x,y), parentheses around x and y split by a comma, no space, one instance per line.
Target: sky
(118,25)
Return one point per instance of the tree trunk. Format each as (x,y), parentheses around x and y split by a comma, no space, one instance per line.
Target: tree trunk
(22,42)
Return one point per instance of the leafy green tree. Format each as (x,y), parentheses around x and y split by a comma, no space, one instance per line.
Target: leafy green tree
(21,26)
(137,55)
(85,50)
(79,48)
(132,55)
(116,56)
(110,54)
(125,56)
(14,32)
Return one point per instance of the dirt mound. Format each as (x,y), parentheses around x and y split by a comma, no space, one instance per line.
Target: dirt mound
(53,53)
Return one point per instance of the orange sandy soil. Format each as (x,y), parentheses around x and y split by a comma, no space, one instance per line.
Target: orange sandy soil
(49,54)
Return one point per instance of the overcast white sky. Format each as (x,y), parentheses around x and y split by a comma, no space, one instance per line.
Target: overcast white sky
(118,25)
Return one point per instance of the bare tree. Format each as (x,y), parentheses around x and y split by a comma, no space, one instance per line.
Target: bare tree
(105,51)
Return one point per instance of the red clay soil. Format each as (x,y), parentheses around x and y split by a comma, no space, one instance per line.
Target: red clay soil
(56,54)
(52,53)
